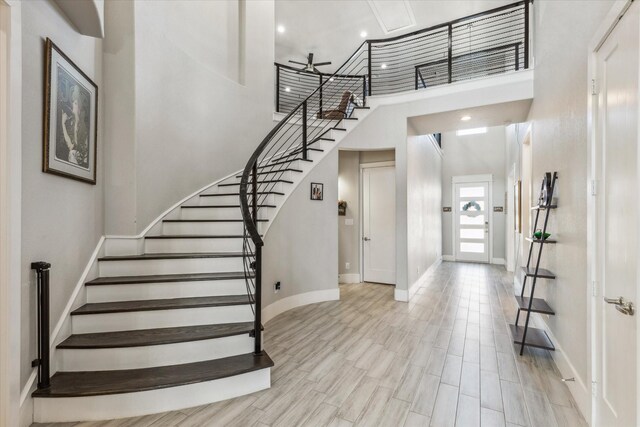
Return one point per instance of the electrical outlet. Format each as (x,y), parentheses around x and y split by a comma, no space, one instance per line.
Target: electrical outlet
(276,287)
(347,265)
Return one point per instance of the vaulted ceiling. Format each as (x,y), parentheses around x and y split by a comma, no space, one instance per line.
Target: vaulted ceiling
(331,29)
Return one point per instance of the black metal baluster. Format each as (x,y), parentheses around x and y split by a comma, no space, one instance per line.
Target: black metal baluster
(526,34)
(43,361)
(277,88)
(450,53)
(304,130)
(369,65)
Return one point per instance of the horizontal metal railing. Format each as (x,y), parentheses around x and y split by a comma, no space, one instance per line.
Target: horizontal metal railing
(491,42)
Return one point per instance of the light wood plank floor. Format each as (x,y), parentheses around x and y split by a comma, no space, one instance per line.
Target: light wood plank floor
(444,359)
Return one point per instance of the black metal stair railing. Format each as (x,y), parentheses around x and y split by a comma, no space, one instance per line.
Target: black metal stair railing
(488,43)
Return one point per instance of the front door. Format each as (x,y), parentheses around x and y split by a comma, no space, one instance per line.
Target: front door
(472,221)
(379,224)
(616,163)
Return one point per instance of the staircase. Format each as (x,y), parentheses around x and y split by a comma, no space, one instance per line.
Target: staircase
(174,321)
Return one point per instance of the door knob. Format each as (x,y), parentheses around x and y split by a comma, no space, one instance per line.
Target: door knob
(623,306)
(366,239)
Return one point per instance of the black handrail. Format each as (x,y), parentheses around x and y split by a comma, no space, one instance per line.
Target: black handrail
(42,362)
(377,66)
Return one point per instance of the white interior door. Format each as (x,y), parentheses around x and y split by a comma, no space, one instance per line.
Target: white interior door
(617,218)
(472,221)
(379,224)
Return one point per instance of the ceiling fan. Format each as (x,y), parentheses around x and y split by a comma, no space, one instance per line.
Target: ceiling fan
(310,66)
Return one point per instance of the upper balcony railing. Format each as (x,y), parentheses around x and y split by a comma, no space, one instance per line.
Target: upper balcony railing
(485,44)
(491,42)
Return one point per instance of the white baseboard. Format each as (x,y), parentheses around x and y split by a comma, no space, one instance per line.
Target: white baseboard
(401,295)
(498,261)
(579,390)
(26,412)
(449,258)
(405,296)
(285,304)
(349,278)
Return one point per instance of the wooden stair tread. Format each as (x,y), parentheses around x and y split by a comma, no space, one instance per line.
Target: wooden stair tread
(539,305)
(276,171)
(339,129)
(541,208)
(238,194)
(270,181)
(182,255)
(196,236)
(284,162)
(160,304)
(222,206)
(165,278)
(210,220)
(95,383)
(542,273)
(159,336)
(535,337)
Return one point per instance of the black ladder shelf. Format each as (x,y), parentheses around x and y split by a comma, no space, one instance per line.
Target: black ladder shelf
(526,335)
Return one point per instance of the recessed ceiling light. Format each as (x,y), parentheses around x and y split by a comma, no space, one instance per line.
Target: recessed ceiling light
(287,89)
(281,29)
(465,118)
(331,79)
(383,66)
(473,131)
(363,34)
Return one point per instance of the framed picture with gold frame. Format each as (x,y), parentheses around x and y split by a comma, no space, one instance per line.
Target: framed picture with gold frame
(70,118)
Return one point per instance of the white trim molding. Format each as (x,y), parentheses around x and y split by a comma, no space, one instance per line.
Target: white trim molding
(10,211)
(498,261)
(588,404)
(579,390)
(449,258)
(349,278)
(404,295)
(306,298)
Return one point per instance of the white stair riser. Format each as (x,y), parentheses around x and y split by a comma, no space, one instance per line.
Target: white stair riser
(164,290)
(278,187)
(186,245)
(106,359)
(107,407)
(206,228)
(217,213)
(266,199)
(169,266)
(125,321)
(274,173)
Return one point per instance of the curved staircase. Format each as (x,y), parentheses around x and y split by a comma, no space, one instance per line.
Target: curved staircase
(170,321)
(173,326)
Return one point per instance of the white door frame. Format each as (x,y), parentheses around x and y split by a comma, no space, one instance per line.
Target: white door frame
(466,179)
(364,166)
(593,290)
(10,209)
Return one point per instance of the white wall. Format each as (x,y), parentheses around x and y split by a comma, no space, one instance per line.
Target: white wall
(300,248)
(475,155)
(349,190)
(424,204)
(62,219)
(196,103)
(559,141)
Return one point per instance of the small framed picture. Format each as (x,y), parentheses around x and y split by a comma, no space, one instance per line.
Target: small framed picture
(70,118)
(317,192)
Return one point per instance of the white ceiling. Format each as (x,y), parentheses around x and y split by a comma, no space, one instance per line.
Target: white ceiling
(489,115)
(331,28)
